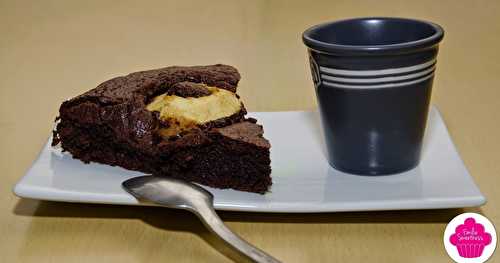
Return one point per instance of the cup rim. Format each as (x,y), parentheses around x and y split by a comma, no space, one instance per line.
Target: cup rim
(403,47)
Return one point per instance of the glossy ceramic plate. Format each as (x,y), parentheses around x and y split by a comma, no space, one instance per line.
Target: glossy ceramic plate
(302,179)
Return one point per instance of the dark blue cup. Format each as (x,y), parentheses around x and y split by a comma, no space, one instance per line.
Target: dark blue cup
(373,80)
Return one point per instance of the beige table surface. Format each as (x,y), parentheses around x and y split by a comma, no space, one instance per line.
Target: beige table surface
(53,50)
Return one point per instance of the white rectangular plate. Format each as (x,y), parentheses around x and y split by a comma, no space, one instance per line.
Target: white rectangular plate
(302,179)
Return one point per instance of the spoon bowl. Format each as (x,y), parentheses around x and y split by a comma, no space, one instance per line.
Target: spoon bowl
(168,192)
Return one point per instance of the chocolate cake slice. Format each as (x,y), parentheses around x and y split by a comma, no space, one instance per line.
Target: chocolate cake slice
(184,122)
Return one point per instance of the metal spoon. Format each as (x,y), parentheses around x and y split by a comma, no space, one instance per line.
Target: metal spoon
(179,194)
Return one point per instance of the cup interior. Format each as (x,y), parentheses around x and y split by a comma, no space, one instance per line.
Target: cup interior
(363,34)
(373,32)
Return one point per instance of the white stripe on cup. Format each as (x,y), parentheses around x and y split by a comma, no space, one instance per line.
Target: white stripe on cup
(375,72)
(375,80)
(389,85)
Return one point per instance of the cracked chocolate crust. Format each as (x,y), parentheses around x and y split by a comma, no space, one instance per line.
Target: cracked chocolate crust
(120,103)
(187,89)
(147,84)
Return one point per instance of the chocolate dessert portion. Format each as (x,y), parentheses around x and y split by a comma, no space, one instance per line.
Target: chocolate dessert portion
(184,122)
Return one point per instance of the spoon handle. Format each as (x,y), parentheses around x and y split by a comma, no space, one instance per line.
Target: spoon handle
(213,222)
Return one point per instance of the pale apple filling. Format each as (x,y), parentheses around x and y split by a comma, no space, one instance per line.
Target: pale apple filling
(186,113)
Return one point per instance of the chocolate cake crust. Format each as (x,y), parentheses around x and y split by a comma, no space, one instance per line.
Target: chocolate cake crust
(189,89)
(120,103)
(146,84)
